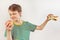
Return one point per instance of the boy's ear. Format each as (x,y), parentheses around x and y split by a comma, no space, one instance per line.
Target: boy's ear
(20,13)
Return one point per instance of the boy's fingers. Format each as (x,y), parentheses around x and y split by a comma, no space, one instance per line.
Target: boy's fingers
(10,26)
(50,14)
(8,22)
(52,17)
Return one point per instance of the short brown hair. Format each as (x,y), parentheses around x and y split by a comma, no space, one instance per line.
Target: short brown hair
(15,7)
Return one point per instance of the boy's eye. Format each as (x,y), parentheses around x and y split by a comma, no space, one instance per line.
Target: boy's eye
(10,14)
(14,13)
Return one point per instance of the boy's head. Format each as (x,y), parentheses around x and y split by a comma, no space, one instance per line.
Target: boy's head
(15,7)
(15,11)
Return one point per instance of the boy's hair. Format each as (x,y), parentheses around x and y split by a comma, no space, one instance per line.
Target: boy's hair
(15,7)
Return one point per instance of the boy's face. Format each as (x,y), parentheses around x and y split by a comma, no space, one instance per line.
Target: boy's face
(14,15)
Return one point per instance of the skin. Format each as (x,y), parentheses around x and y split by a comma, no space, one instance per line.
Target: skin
(15,17)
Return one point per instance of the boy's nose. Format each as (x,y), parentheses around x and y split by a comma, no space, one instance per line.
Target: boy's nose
(12,17)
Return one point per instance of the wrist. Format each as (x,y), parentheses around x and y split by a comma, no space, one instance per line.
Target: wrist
(47,20)
(8,30)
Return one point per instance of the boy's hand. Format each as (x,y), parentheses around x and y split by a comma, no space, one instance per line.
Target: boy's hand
(9,25)
(52,17)
(49,17)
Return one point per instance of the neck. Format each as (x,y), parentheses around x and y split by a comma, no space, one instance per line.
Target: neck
(18,22)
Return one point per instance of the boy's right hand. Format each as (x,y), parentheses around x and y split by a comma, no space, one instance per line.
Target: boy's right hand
(9,25)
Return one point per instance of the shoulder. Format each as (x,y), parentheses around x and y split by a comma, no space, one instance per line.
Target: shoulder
(27,22)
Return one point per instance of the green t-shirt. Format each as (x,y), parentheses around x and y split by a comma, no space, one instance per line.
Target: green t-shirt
(22,32)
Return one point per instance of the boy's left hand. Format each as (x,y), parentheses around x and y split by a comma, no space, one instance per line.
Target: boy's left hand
(52,17)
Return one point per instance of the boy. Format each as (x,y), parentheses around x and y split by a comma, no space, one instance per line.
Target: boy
(17,29)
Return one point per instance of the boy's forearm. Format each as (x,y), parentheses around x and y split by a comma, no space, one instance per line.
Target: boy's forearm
(9,36)
(40,27)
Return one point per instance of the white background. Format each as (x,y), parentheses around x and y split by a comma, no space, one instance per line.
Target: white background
(34,11)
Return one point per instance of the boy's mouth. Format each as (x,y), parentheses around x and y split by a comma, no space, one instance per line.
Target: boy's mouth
(13,17)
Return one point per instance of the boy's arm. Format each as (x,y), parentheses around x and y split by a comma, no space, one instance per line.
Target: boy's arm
(9,26)
(9,36)
(40,27)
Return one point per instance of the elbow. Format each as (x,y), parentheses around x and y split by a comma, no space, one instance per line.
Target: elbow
(41,29)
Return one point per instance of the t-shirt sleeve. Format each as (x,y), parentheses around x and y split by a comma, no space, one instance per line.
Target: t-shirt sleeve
(5,34)
(31,27)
